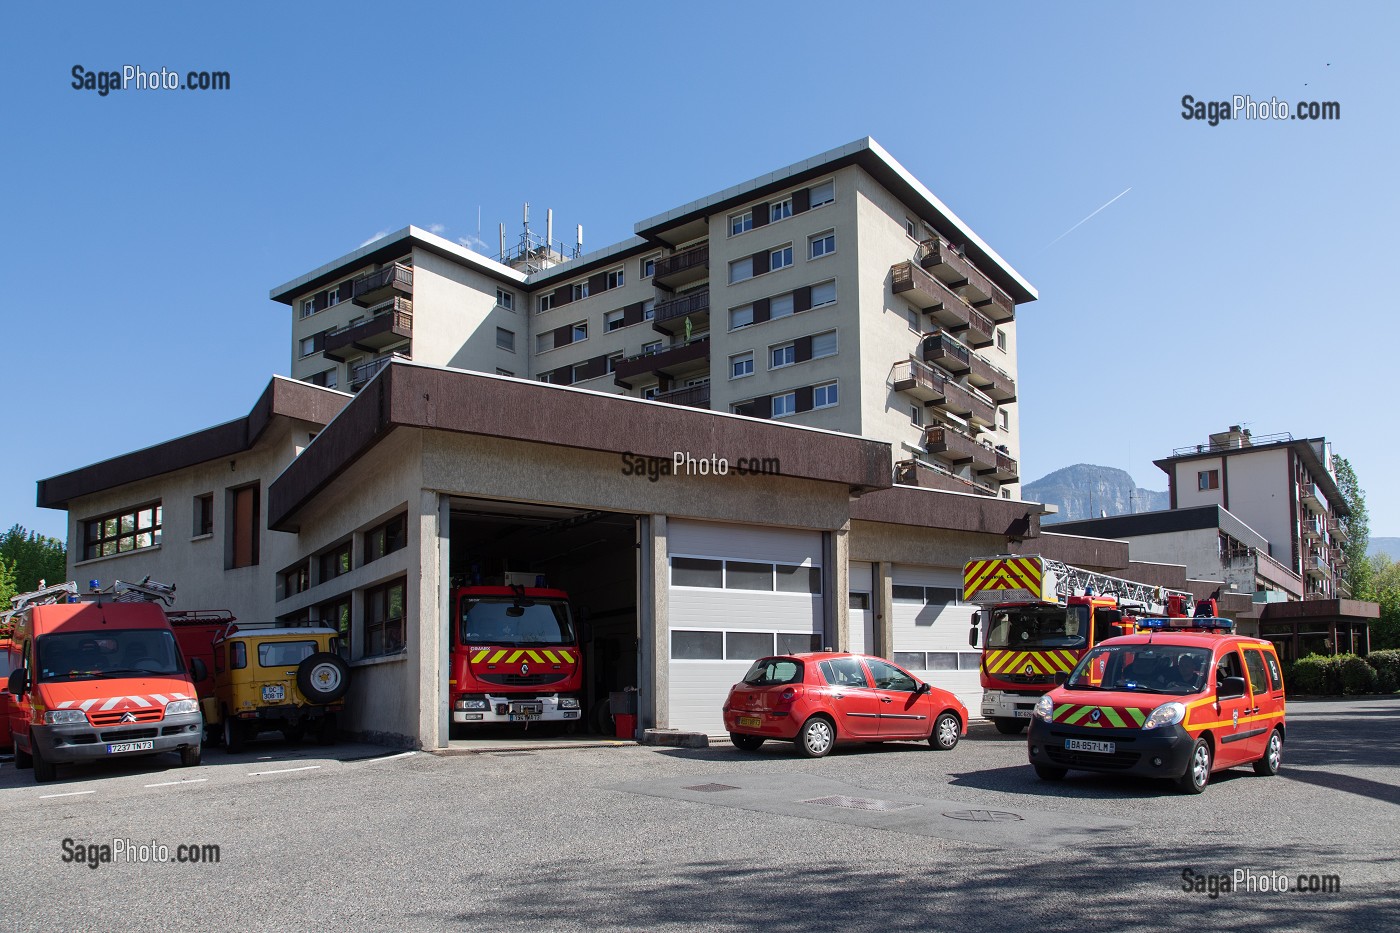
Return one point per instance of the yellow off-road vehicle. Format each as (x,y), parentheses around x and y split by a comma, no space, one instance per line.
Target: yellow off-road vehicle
(291,680)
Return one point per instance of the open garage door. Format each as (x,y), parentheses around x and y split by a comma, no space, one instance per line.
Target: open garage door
(930,630)
(589,555)
(737,593)
(862,612)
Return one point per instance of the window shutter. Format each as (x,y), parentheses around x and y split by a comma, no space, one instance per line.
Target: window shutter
(801,200)
(563,295)
(760,310)
(323,299)
(762,407)
(802,299)
(597,283)
(594,367)
(632,314)
(802,349)
(803,398)
(563,336)
(760,214)
(760,262)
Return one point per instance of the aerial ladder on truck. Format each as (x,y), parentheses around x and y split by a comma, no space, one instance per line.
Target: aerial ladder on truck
(1039,616)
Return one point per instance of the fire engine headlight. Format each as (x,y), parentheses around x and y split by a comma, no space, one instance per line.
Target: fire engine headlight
(1044,709)
(181,706)
(568,702)
(1168,714)
(472,703)
(55,717)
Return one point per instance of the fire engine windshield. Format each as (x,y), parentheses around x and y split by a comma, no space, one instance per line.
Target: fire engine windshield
(120,653)
(527,623)
(1145,668)
(1021,627)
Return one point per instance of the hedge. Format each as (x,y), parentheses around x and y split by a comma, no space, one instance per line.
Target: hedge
(1322,674)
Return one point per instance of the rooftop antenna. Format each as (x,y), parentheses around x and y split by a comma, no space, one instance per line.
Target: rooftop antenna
(549,228)
(578,247)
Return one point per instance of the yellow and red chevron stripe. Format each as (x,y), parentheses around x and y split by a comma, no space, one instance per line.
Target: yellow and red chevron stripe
(1028,662)
(1002,573)
(516,655)
(1108,717)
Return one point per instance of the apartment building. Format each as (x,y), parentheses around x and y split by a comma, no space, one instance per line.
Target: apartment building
(836,293)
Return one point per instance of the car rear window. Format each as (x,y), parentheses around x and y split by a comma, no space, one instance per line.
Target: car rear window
(772,672)
(284,653)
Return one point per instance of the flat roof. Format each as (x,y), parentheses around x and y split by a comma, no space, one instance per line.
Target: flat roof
(1302,447)
(1167,521)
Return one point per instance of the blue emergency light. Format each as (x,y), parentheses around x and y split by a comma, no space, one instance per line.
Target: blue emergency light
(1184,623)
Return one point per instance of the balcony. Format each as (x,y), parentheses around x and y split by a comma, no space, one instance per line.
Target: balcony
(967,280)
(931,476)
(939,390)
(690,265)
(950,311)
(1315,565)
(366,371)
(1005,470)
(665,364)
(1337,529)
(1311,496)
(389,325)
(692,396)
(993,380)
(391,281)
(952,446)
(947,352)
(670,315)
(1313,527)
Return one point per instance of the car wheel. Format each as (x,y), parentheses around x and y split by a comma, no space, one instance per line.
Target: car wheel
(23,760)
(1273,756)
(234,734)
(816,737)
(190,756)
(44,771)
(1010,726)
(323,677)
(1197,774)
(946,729)
(746,743)
(1050,773)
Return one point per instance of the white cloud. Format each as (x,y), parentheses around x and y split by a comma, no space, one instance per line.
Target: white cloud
(475,243)
(436,228)
(378,236)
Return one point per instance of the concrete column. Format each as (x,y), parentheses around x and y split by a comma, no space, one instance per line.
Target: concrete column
(836,588)
(653,624)
(883,598)
(429,660)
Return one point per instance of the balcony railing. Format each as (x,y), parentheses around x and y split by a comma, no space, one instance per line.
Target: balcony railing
(959,272)
(1337,529)
(1313,527)
(368,370)
(667,362)
(686,266)
(390,325)
(1005,470)
(947,352)
(946,307)
(374,287)
(1315,565)
(694,396)
(936,388)
(1311,496)
(955,447)
(993,380)
(670,316)
(932,476)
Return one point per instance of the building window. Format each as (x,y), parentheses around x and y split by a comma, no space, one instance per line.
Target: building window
(821,194)
(649,348)
(650,392)
(785,404)
(648,267)
(780,306)
(129,530)
(296,579)
(914,321)
(505,339)
(614,360)
(503,372)
(335,562)
(243,536)
(307,345)
(617,278)
(1208,479)
(544,342)
(741,222)
(916,416)
(1001,340)
(1005,418)
(910,230)
(781,356)
(780,258)
(308,307)
(740,270)
(333,295)
(204,514)
(779,210)
(649,309)
(578,373)
(329,377)
(612,321)
(824,345)
(386,538)
(741,365)
(384,619)
(544,303)
(740,317)
(824,294)
(822,244)
(825,396)
(505,299)
(579,290)
(580,331)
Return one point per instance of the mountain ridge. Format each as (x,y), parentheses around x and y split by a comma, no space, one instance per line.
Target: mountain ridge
(1086,490)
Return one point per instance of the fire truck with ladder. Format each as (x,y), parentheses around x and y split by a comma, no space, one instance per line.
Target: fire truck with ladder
(1038,617)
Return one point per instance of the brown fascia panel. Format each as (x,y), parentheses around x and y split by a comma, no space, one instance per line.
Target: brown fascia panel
(932,508)
(282,397)
(409,395)
(1100,554)
(1322,609)
(1172,576)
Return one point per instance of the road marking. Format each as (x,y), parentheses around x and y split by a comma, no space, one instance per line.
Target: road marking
(75,793)
(284,770)
(173,783)
(390,757)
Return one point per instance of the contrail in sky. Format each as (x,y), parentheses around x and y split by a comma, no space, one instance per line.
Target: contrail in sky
(1086,219)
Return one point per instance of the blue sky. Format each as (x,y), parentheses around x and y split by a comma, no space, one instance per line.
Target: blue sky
(1240,280)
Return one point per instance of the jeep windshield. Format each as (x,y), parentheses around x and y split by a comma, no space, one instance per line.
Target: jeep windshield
(524,622)
(1025,627)
(62,656)
(1143,668)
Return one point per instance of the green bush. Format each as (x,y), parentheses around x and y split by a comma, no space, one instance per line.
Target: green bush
(1309,675)
(1387,667)
(1355,674)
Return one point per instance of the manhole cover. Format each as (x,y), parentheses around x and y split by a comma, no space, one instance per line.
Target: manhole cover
(860,803)
(710,788)
(984,816)
(507,754)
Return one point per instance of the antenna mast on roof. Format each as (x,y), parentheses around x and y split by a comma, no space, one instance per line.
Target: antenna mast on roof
(534,253)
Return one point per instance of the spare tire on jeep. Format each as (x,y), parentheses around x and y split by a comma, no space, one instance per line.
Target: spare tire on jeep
(323,677)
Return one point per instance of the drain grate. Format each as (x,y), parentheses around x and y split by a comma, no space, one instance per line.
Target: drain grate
(984,816)
(860,803)
(710,788)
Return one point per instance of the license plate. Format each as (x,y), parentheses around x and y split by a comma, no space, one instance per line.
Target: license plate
(1085,745)
(752,722)
(524,717)
(119,747)
(274,693)
(1021,714)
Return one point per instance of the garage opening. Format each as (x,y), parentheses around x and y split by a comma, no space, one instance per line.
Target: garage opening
(519,639)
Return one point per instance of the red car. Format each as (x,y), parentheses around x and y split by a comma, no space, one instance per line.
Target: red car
(820,699)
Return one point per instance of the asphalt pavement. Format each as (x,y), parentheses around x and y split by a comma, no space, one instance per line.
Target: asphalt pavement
(891,838)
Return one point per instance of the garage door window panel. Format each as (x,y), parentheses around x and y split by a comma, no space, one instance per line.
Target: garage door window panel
(741,575)
(799,579)
(798,642)
(697,571)
(748,646)
(697,646)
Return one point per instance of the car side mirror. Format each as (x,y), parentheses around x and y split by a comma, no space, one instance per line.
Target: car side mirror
(18,684)
(972,636)
(198,669)
(1230,689)
(922,688)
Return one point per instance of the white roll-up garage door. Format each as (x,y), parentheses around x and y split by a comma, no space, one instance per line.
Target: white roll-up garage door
(930,630)
(737,593)
(862,612)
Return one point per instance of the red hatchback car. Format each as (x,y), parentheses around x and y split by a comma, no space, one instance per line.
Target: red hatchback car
(819,700)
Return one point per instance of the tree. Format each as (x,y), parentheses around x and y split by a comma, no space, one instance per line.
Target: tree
(1385,589)
(33,557)
(1357,526)
(7,583)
